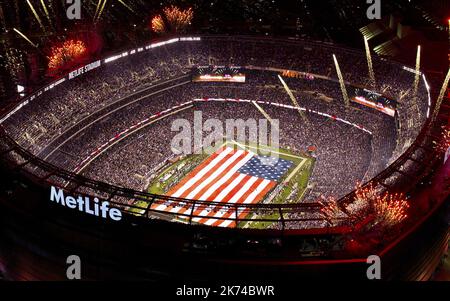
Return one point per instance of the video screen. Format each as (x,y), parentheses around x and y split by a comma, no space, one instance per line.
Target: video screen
(375,101)
(232,74)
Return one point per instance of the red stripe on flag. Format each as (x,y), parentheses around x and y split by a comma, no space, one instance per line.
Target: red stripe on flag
(214,195)
(215,180)
(260,195)
(192,174)
(240,200)
(229,195)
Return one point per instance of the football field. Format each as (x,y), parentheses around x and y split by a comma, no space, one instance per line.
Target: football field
(233,174)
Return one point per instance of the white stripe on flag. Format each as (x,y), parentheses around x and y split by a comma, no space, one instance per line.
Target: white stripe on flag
(220,196)
(202,172)
(226,177)
(217,173)
(248,200)
(235,198)
(221,180)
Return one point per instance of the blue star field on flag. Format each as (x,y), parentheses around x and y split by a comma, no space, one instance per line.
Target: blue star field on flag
(266,167)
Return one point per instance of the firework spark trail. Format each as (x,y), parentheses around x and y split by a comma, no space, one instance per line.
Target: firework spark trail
(369,62)
(330,210)
(441,96)
(46,11)
(126,5)
(341,82)
(178,18)
(97,8)
(293,99)
(388,208)
(36,15)
(25,37)
(444,143)
(101,11)
(391,209)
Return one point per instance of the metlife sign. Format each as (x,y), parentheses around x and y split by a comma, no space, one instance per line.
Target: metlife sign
(84,204)
(84,69)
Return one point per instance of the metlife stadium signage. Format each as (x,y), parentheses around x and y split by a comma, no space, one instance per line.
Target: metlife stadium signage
(85,69)
(84,204)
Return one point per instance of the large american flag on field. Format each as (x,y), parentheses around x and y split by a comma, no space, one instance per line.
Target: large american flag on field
(231,176)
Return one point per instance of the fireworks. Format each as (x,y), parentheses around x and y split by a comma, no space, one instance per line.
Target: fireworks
(444,143)
(69,51)
(364,197)
(158,24)
(390,209)
(176,20)
(331,210)
(13,61)
(387,208)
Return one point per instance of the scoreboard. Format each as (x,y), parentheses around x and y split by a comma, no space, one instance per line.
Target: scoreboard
(232,74)
(375,101)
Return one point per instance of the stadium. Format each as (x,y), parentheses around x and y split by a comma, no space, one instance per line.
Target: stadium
(239,155)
